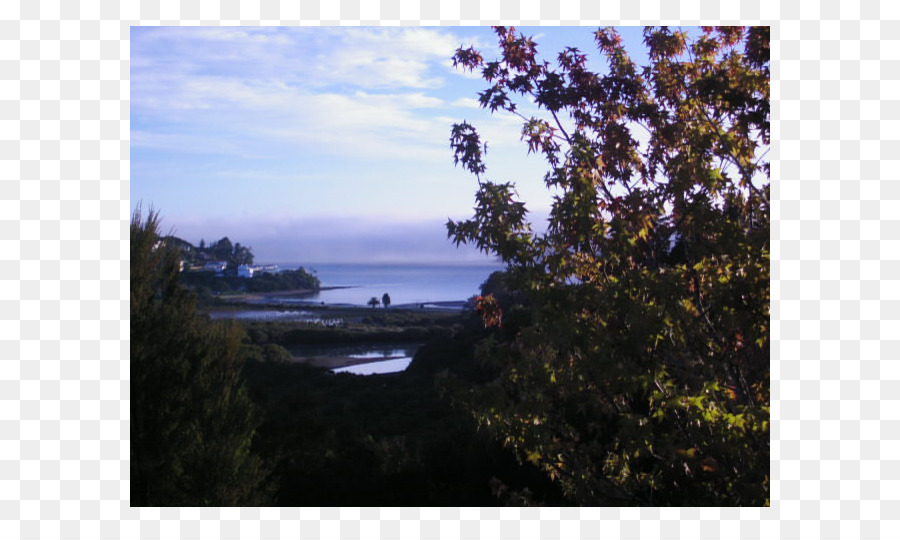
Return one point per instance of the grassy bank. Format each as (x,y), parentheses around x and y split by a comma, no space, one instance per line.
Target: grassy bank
(359,325)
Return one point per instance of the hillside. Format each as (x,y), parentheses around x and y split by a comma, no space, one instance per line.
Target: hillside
(200,272)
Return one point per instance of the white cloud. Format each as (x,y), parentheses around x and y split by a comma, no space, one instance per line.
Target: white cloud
(373,58)
(313,86)
(189,143)
(377,124)
(353,116)
(369,57)
(468,103)
(261,34)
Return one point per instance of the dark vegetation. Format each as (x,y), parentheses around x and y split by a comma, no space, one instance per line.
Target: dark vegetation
(208,283)
(392,327)
(222,414)
(192,422)
(621,359)
(389,439)
(382,440)
(234,254)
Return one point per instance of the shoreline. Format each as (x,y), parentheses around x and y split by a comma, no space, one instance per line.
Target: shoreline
(289,293)
(293,300)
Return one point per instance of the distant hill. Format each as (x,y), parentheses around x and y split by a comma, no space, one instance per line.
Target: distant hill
(201,274)
(222,250)
(174,241)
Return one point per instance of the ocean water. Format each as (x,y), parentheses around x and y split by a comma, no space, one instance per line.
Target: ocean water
(406,284)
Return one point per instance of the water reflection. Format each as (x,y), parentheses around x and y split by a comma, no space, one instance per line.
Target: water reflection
(366,359)
(394,365)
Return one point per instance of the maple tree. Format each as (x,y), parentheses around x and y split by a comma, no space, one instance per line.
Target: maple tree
(640,374)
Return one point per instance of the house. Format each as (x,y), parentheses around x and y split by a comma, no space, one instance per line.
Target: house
(247,271)
(215,266)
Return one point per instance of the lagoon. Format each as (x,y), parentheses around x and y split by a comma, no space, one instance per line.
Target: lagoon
(360,359)
(395,365)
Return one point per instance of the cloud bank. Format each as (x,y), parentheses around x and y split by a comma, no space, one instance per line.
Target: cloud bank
(335,240)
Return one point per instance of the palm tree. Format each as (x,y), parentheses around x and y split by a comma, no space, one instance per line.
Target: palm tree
(373,302)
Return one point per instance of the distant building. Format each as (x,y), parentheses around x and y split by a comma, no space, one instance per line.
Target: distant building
(247,271)
(215,266)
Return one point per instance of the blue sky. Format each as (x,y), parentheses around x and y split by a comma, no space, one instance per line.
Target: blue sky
(322,144)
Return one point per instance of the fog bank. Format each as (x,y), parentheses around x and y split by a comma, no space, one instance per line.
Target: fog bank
(333,240)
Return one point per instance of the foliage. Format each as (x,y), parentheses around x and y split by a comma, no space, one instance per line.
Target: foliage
(282,281)
(345,440)
(192,423)
(376,327)
(386,300)
(240,255)
(234,254)
(260,282)
(640,374)
(373,302)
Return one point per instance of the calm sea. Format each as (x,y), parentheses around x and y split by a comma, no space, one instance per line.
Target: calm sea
(406,284)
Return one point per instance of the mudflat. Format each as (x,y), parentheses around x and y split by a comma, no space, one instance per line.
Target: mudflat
(289,293)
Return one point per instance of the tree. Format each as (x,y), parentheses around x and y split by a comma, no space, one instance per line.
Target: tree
(192,423)
(641,374)
(240,255)
(373,302)
(386,300)
(222,249)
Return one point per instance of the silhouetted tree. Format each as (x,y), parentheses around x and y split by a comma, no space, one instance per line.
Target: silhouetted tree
(192,423)
(373,302)
(386,300)
(240,255)
(222,249)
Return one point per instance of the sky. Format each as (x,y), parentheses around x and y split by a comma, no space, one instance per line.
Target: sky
(324,144)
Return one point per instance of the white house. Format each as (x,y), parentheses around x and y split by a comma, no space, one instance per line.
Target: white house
(247,271)
(215,266)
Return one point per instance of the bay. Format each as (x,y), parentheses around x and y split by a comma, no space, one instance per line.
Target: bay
(407,284)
